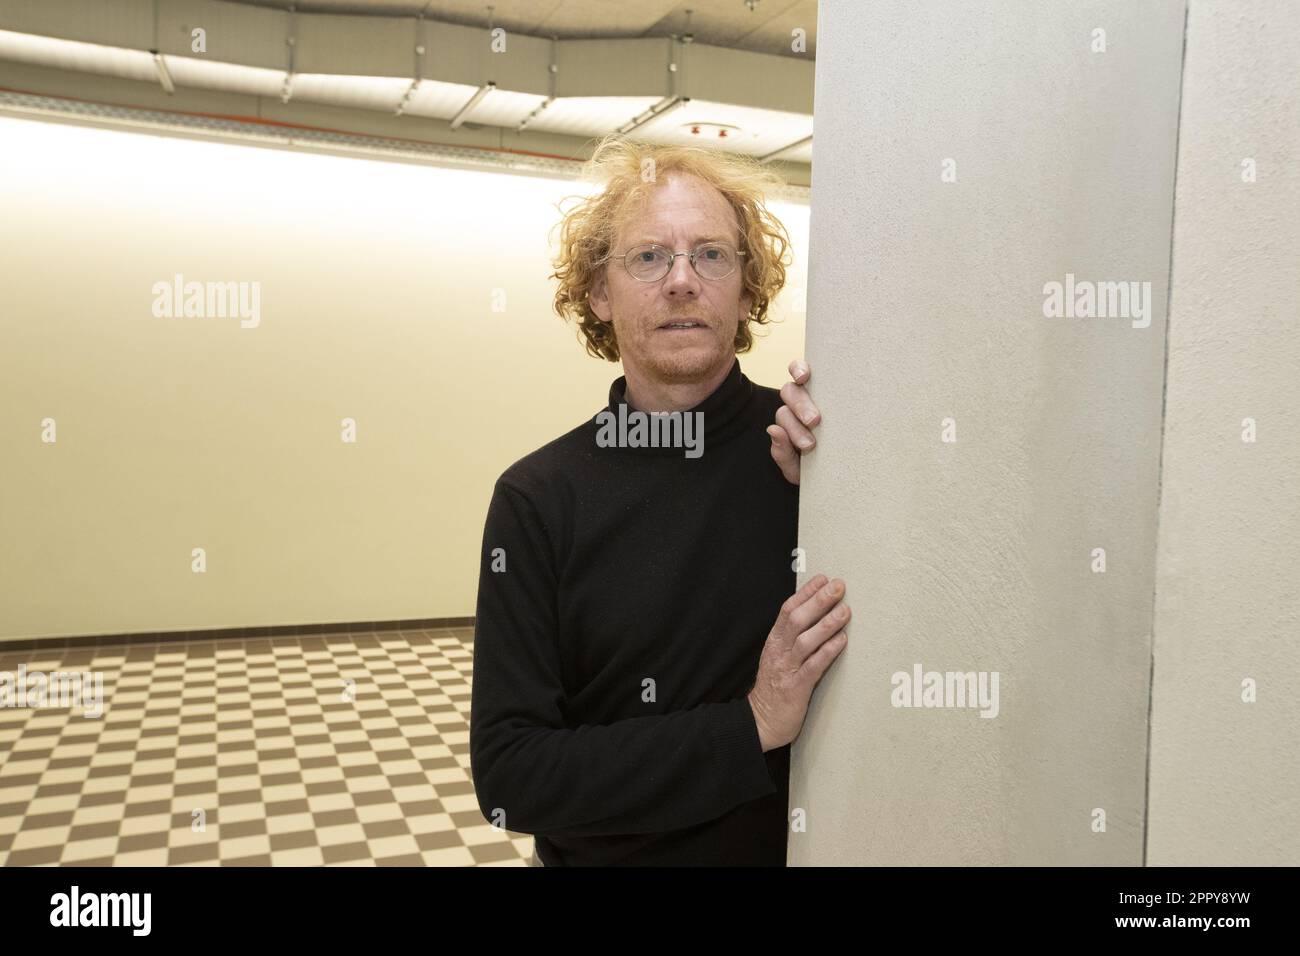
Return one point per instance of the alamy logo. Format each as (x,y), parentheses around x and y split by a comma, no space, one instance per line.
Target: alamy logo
(57,689)
(1098,300)
(654,430)
(923,688)
(208,300)
(102,909)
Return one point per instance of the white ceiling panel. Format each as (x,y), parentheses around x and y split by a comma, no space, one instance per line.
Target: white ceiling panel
(361,92)
(502,108)
(231,77)
(590,115)
(742,129)
(799,154)
(439,100)
(73,55)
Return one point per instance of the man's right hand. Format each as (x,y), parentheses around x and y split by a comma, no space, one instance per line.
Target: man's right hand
(808,635)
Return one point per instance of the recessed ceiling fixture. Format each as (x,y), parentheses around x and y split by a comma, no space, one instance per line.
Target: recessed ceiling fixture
(711,130)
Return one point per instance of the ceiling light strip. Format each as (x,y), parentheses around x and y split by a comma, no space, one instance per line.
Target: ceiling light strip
(22,104)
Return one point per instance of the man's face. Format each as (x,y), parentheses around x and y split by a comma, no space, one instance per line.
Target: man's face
(681,212)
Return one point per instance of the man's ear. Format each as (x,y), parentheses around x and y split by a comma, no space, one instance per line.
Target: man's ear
(746,303)
(598,298)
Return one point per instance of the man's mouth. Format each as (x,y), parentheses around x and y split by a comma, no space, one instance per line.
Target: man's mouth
(682,325)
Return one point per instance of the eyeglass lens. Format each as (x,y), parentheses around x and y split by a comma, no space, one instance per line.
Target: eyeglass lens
(712,261)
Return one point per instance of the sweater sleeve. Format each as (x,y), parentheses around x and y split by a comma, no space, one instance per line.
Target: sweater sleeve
(532,773)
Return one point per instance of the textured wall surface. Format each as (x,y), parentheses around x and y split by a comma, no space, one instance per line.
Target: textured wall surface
(926,300)
(1225,774)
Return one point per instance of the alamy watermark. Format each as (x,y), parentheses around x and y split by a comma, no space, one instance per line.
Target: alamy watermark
(130,910)
(208,300)
(637,429)
(1098,300)
(922,688)
(55,690)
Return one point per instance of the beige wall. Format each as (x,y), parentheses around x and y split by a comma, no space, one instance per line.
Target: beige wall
(1225,774)
(377,284)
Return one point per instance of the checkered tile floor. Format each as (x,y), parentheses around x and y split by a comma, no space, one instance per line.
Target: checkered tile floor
(288,766)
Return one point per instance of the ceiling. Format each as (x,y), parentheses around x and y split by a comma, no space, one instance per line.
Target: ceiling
(760,26)
(742,88)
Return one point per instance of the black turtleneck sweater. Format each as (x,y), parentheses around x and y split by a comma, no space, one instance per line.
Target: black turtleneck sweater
(614,652)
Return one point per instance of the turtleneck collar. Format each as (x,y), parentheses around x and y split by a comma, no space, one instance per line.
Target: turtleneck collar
(722,410)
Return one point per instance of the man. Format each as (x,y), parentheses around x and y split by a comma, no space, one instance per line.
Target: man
(640,663)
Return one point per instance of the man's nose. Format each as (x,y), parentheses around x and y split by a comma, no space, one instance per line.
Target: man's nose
(681,278)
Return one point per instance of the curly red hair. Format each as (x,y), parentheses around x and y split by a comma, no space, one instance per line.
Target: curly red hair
(588,230)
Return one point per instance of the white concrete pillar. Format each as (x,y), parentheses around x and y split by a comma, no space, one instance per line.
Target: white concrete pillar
(977,455)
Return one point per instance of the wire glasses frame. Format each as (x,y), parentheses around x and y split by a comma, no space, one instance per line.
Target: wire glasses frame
(652,270)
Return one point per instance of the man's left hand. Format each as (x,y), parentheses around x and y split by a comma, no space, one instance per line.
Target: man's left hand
(792,434)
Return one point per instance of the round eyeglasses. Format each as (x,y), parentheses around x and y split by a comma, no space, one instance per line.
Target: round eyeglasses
(651,262)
